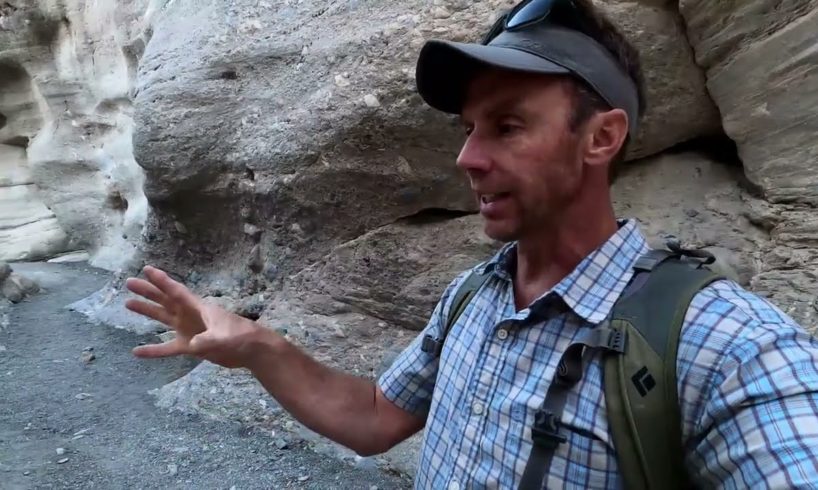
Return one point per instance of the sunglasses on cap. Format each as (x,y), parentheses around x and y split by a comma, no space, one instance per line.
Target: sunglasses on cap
(529,12)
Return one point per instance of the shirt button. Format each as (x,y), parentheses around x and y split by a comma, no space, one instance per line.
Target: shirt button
(477,409)
(502,334)
(453,485)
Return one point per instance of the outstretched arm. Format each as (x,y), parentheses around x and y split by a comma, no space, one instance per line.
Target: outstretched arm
(349,410)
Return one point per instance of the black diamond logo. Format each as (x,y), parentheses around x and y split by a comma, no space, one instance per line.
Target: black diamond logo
(643,381)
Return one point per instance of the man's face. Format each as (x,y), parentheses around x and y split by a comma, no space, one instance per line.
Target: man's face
(523,162)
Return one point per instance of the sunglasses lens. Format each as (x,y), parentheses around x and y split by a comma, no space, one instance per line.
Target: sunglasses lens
(530,11)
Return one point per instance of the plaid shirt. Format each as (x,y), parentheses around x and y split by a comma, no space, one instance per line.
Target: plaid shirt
(747,381)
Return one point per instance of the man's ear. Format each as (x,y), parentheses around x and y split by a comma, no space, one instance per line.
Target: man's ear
(605,135)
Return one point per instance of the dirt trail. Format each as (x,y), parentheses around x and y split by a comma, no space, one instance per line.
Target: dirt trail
(99,413)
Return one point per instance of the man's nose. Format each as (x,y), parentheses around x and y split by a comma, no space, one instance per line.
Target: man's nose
(474,156)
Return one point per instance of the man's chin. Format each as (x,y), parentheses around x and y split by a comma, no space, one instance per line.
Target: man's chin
(497,232)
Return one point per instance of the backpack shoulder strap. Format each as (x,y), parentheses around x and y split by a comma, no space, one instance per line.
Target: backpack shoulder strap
(640,384)
(465,292)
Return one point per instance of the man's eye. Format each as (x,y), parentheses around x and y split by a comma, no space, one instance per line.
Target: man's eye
(507,128)
(469,130)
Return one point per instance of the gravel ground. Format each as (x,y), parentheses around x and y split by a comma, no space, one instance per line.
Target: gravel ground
(66,422)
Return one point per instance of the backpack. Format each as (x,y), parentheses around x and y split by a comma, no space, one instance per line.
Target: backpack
(639,339)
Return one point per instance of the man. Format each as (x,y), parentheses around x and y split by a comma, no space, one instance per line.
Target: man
(548,101)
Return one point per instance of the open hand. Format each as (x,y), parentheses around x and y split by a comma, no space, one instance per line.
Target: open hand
(203,330)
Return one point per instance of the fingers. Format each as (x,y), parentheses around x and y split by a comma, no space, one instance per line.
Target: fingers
(150,310)
(171,348)
(173,289)
(146,290)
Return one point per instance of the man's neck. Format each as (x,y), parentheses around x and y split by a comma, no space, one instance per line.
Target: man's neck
(544,259)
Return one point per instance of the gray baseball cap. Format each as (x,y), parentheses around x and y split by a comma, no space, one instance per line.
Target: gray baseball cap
(445,68)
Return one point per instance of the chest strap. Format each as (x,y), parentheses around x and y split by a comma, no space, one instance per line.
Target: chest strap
(545,431)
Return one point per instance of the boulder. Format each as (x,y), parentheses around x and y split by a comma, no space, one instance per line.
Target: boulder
(301,122)
(395,273)
(13,286)
(219,393)
(25,284)
(12,291)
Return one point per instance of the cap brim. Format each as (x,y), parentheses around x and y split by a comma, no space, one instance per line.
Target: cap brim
(445,68)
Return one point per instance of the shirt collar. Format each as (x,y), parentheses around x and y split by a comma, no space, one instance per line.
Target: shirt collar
(592,288)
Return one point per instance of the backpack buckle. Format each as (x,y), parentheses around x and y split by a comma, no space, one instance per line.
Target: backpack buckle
(617,340)
(702,256)
(431,345)
(545,431)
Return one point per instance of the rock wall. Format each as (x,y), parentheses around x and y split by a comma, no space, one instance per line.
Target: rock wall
(762,72)
(272,133)
(28,229)
(679,106)
(67,171)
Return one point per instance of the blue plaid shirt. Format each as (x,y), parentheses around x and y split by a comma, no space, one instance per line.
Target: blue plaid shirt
(748,383)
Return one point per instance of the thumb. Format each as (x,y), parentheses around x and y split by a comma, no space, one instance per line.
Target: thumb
(167,349)
(202,343)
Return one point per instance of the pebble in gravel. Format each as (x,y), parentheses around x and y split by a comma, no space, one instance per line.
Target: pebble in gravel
(87,356)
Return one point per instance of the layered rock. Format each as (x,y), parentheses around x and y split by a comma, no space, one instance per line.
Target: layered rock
(762,72)
(65,75)
(678,105)
(28,229)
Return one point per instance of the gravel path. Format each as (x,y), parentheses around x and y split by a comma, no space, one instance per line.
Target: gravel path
(67,423)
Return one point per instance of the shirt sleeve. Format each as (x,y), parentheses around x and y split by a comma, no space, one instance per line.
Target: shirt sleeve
(409,382)
(749,393)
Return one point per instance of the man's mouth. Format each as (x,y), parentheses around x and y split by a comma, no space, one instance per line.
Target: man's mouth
(490,198)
